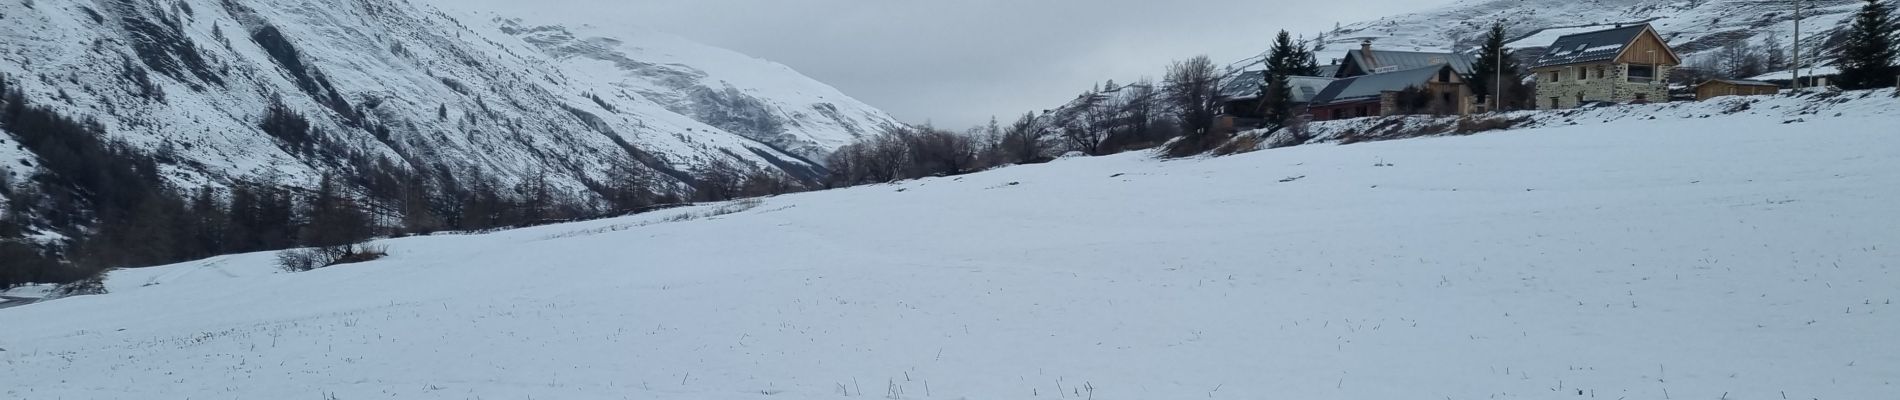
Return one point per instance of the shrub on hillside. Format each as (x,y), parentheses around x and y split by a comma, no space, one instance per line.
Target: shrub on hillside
(1242,144)
(93,285)
(1472,124)
(301,260)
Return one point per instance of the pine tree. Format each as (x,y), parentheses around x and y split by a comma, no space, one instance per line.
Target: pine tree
(1283,60)
(1308,62)
(1867,59)
(1487,74)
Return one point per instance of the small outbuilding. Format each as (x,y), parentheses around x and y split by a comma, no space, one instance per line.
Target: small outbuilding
(1733,87)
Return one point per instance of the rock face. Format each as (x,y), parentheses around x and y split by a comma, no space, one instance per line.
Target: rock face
(389,80)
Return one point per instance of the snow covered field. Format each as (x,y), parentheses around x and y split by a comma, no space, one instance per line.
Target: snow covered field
(1733,257)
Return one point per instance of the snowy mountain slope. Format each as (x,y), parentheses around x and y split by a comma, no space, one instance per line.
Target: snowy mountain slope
(381,79)
(1723,257)
(1693,27)
(758,99)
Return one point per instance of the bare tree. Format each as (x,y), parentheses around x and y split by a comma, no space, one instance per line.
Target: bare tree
(1774,54)
(1085,122)
(1141,110)
(1022,142)
(1192,86)
(1741,60)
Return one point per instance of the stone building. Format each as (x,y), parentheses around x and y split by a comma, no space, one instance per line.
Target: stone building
(1629,64)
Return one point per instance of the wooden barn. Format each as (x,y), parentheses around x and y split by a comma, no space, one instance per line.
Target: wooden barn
(1732,87)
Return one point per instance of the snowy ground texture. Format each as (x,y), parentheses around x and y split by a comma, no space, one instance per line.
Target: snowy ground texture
(1732,257)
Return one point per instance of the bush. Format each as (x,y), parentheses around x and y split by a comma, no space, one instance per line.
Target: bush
(306,259)
(1245,143)
(92,285)
(1470,125)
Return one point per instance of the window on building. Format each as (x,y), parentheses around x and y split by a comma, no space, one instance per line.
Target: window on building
(1642,73)
(1599,72)
(1553,102)
(1444,74)
(1583,73)
(1553,76)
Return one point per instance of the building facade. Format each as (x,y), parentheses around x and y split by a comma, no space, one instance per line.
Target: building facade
(1435,90)
(1730,87)
(1623,65)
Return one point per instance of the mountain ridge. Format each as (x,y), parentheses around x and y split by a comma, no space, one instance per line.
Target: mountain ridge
(399,81)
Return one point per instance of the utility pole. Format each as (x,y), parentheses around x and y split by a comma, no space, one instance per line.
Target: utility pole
(1797,45)
(1497,89)
(1497,96)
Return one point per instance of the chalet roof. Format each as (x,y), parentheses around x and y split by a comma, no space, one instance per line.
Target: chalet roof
(1305,88)
(1367,87)
(1328,70)
(1246,86)
(1826,70)
(1590,46)
(1740,82)
(1389,60)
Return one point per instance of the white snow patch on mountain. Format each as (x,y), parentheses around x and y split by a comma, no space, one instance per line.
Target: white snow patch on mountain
(386,79)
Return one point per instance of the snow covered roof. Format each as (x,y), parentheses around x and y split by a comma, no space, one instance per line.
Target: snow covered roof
(1328,70)
(1389,60)
(1305,88)
(1364,87)
(1740,82)
(1590,46)
(1789,75)
(1244,86)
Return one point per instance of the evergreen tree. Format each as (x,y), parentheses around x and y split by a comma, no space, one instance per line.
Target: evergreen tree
(1487,74)
(1284,60)
(1867,59)
(1305,60)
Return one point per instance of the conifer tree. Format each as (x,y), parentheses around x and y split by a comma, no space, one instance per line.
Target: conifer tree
(1867,59)
(1487,74)
(1283,60)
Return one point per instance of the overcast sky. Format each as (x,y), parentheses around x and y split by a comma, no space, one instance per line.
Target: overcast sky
(958,62)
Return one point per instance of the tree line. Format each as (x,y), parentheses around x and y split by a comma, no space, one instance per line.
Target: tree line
(1107,119)
(1178,112)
